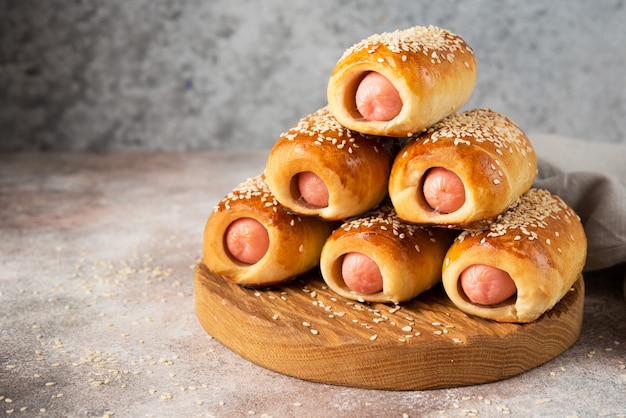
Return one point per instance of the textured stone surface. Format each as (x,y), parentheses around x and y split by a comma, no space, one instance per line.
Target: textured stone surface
(234,74)
(97,318)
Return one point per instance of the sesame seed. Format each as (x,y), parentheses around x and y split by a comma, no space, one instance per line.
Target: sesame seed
(324,130)
(479,126)
(429,40)
(526,217)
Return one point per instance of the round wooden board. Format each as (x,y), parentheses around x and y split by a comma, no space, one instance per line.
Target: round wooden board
(303,329)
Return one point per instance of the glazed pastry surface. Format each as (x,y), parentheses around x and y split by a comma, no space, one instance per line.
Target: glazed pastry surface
(295,242)
(539,241)
(489,153)
(432,69)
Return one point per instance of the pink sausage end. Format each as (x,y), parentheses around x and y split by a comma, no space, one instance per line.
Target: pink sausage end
(443,190)
(312,189)
(247,240)
(361,274)
(487,285)
(377,99)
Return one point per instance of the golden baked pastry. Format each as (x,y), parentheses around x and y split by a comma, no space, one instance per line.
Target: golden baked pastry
(409,257)
(539,241)
(295,241)
(354,168)
(489,153)
(432,70)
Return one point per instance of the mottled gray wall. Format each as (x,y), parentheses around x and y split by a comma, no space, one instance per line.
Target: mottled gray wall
(234,74)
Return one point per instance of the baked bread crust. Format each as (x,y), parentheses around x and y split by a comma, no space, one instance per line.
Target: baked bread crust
(409,256)
(539,241)
(295,241)
(433,70)
(354,167)
(490,153)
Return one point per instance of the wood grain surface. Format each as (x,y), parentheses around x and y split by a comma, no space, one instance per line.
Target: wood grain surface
(303,329)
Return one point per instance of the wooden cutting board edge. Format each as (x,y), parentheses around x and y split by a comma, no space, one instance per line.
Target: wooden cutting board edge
(302,329)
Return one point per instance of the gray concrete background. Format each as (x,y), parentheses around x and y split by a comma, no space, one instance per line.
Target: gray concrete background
(234,74)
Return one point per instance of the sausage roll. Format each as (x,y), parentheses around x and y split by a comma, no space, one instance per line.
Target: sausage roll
(293,242)
(432,70)
(407,257)
(539,241)
(490,157)
(351,168)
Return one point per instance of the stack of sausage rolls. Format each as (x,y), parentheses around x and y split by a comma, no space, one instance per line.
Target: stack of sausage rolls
(390,190)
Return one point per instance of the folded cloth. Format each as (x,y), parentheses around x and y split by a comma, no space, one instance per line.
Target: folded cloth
(591,178)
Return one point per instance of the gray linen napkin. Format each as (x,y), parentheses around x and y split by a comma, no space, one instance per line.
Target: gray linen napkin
(591,178)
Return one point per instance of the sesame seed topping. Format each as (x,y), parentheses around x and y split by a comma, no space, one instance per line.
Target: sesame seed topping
(324,130)
(252,188)
(477,126)
(440,44)
(385,219)
(526,217)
